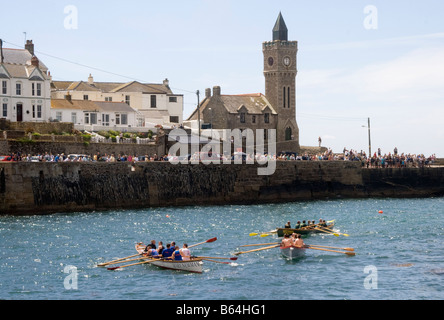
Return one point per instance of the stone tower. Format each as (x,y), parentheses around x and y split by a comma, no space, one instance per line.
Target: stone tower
(280,70)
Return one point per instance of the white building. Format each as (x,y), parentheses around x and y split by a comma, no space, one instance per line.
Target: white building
(25,85)
(156,102)
(95,116)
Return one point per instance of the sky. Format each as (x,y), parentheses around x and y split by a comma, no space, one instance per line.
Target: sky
(357,59)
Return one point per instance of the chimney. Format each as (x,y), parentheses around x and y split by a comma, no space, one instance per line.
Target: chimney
(35,61)
(166,82)
(216,91)
(29,46)
(90,79)
(208,93)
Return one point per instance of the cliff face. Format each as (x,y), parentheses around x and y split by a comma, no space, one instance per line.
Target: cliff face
(44,188)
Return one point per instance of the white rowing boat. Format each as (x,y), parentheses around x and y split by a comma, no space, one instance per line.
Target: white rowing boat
(292,252)
(195,265)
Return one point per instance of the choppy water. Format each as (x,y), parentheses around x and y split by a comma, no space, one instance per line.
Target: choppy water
(402,247)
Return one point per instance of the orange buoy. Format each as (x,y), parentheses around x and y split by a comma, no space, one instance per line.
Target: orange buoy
(381,212)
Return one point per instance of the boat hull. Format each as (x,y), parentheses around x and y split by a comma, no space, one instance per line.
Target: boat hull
(293,252)
(193,265)
(304,231)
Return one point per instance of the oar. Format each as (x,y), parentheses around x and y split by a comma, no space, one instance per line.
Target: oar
(328,231)
(222,262)
(259,244)
(118,262)
(346,249)
(347,253)
(208,241)
(266,248)
(134,264)
(262,234)
(112,262)
(335,233)
(219,258)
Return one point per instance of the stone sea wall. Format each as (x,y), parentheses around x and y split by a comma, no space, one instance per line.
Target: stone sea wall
(44,188)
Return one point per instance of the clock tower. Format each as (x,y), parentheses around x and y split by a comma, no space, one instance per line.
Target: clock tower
(280,70)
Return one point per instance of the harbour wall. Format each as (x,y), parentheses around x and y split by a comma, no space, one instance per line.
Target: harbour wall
(45,188)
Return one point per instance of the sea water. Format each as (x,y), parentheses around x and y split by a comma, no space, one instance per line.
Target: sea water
(399,253)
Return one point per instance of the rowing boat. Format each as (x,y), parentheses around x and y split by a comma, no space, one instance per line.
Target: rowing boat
(195,265)
(303,231)
(292,252)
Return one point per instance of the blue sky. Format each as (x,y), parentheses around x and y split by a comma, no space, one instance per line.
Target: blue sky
(393,74)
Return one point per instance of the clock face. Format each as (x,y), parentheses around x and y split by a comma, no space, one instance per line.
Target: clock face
(270,61)
(287,61)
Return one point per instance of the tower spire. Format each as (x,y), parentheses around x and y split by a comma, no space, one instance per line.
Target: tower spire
(280,31)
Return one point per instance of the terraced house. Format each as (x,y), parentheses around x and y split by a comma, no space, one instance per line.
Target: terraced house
(25,85)
(155,103)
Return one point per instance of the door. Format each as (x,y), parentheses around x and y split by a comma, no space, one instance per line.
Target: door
(19,112)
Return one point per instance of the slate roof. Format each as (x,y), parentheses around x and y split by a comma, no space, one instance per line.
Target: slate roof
(112,87)
(85,105)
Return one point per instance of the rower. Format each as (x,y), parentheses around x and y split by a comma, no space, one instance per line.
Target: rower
(288,225)
(152,244)
(185,252)
(286,242)
(303,225)
(150,252)
(177,256)
(168,252)
(299,242)
(298,225)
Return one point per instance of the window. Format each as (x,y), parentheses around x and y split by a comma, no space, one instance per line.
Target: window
(5,110)
(121,118)
(105,120)
(36,89)
(124,119)
(267,118)
(288,134)
(127,100)
(242,117)
(18,89)
(59,116)
(174,119)
(285,96)
(4,87)
(109,99)
(253,119)
(85,97)
(73,117)
(36,111)
(173,99)
(90,118)
(153,101)
(93,118)
(288,98)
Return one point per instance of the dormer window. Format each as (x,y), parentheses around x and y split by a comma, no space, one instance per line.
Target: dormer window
(267,118)
(242,117)
(4,87)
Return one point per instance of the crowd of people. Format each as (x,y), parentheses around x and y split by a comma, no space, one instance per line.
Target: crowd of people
(170,252)
(378,160)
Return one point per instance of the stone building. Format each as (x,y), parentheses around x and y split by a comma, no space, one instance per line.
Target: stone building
(274,110)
